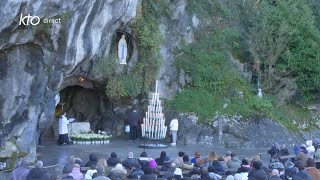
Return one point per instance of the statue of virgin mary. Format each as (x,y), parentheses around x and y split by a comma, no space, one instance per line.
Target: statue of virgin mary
(122,50)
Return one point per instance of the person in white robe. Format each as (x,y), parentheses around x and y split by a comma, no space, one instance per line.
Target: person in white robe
(63,130)
(174,125)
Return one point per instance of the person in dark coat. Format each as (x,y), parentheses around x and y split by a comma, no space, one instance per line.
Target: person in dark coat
(148,174)
(130,161)
(38,173)
(136,172)
(133,121)
(257,172)
(245,167)
(217,167)
(21,172)
(93,160)
(160,160)
(113,160)
(274,151)
(301,174)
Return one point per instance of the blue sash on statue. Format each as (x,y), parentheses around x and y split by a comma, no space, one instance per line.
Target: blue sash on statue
(122,52)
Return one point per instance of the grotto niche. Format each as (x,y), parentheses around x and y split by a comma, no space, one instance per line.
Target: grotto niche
(86,102)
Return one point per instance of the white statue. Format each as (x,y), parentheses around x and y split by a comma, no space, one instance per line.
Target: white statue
(122,50)
(259,93)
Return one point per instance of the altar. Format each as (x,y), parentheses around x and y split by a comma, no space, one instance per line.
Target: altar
(78,127)
(74,127)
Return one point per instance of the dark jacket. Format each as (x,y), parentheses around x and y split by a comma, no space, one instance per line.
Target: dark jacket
(129,163)
(167,167)
(301,175)
(217,166)
(160,160)
(135,172)
(275,178)
(113,161)
(93,160)
(243,169)
(133,118)
(257,175)
(37,174)
(149,177)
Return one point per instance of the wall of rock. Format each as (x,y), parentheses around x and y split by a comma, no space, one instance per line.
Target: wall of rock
(34,60)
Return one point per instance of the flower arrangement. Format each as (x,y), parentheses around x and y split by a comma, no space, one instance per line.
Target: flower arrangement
(91,138)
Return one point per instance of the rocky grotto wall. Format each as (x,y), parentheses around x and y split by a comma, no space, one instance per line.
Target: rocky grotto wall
(34,60)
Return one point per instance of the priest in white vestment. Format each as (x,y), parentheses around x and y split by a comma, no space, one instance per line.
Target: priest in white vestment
(63,130)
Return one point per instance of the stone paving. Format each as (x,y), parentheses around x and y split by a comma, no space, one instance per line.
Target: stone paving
(56,156)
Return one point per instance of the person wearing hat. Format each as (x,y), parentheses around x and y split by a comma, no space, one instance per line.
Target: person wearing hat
(38,172)
(130,162)
(234,163)
(136,172)
(21,171)
(160,160)
(174,126)
(101,174)
(76,173)
(118,172)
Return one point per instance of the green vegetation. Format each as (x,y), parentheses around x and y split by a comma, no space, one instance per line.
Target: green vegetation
(281,40)
(142,77)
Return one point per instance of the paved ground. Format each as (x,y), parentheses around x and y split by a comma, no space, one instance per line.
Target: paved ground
(56,156)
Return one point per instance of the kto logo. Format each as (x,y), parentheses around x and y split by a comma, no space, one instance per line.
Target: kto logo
(27,20)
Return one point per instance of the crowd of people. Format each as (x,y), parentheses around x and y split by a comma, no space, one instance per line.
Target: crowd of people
(301,166)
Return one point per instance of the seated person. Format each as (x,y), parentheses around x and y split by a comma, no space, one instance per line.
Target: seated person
(167,166)
(144,160)
(197,155)
(118,172)
(90,172)
(113,160)
(160,160)
(130,161)
(148,174)
(234,163)
(76,172)
(186,165)
(276,164)
(93,160)
(68,168)
(101,174)
(245,167)
(136,172)
(38,172)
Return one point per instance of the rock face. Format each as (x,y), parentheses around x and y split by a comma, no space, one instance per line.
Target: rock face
(35,59)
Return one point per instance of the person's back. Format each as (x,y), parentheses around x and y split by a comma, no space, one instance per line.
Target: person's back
(68,168)
(257,173)
(275,175)
(130,161)
(21,172)
(301,174)
(93,160)
(234,163)
(76,173)
(113,160)
(100,174)
(133,118)
(312,170)
(148,174)
(38,173)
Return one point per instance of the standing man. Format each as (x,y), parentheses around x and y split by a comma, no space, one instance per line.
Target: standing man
(133,120)
(174,125)
(63,130)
